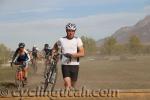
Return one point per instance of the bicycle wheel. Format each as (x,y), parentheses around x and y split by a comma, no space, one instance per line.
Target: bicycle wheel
(54,78)
(50,81)
(48,75)
(19,79)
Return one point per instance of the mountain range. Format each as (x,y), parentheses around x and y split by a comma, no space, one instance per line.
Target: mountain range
(140,29)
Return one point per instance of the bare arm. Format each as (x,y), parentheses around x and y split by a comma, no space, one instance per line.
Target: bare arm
(81,52)
(15,54)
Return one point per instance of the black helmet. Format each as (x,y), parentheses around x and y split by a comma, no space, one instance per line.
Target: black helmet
(46,45)
(21,45)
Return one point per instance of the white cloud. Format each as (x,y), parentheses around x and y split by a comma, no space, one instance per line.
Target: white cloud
(89,2)
(16,6)
(49,30)
(41,10)
(24,6)
(96,26)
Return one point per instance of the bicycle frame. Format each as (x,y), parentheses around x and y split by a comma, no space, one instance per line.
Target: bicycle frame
(52,70)
(19,77)
(20,74)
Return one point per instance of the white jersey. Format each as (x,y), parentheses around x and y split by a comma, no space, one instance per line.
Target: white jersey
(69,46)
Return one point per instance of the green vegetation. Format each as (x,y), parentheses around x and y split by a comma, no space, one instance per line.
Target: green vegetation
(89,44)
(109,46)
(4,54)
(134,47)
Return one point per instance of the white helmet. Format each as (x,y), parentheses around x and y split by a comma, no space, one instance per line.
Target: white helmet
(34,46)
(71,26)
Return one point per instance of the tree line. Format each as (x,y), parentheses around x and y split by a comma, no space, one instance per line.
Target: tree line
(89,44)
(134,46)
(112,47)
(5,54)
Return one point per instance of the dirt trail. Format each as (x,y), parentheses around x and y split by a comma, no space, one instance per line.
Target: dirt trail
(87,77)
(37,78)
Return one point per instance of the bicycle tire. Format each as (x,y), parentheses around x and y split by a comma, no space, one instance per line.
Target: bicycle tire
(46,84)
(18,83)
(53,86)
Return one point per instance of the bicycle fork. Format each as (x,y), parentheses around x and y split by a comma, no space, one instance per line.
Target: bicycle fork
(51,76)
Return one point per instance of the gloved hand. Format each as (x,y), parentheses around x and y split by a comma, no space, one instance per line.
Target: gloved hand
(68,55)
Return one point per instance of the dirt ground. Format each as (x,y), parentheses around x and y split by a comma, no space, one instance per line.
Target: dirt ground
(100,73)
(122,96)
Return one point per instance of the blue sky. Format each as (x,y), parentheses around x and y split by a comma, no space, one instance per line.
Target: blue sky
(43,21)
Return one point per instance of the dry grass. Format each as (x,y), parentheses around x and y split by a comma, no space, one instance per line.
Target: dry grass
(98,73)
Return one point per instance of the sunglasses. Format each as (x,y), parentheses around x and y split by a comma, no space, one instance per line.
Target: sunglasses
(70,30)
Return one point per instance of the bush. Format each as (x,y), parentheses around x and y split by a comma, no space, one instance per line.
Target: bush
(4,54)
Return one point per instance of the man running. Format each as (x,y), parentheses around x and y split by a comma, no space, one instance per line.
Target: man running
(71,48)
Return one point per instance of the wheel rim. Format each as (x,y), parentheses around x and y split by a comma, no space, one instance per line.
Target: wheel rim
(51,86)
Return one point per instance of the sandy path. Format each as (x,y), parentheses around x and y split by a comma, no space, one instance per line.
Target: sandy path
(37,79)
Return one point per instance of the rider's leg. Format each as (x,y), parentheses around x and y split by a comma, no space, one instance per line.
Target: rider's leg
(26,71)
(67,82)
(73,84)
(74,75)
(66,76)
(25,75)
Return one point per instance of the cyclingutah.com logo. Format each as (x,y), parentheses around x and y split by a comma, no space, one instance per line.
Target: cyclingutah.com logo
(39,92)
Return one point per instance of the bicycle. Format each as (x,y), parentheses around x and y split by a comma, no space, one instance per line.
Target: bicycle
(19,77)
(51,73)
(47,63)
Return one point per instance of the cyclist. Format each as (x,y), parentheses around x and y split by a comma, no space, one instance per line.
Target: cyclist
(21,56)
(34,52)
(71,48)
(47,51)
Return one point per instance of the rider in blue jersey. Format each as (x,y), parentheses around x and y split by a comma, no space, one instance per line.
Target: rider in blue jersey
(21,57)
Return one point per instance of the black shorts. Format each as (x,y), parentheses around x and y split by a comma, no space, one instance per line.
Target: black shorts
(70,71)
